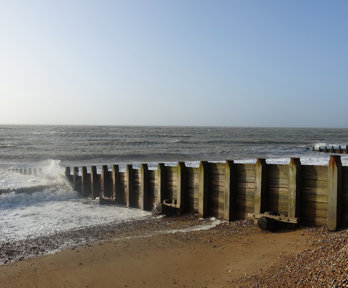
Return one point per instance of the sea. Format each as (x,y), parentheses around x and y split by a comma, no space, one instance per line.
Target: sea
(33,206)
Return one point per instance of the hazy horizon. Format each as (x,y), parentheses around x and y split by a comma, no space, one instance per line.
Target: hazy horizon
(174,63)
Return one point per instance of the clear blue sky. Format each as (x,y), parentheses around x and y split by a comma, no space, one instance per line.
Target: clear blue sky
(218,63)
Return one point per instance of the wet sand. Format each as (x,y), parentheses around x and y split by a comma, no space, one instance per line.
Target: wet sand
(146,254)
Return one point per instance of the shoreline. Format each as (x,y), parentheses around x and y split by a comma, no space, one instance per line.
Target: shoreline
(13,251)
(145,253)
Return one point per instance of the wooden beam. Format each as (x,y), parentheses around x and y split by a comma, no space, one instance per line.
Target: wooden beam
(86,185)
(294,188)
(130,186)
(75,179)
(161,182)
(144,187)
(203,189)
(115,177)
(230,192)
(334,192)
(94,182)
(181,200)
(260,186)
(67,172)
(103,181)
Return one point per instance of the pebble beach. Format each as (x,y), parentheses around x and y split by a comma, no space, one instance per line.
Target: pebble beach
(182,251)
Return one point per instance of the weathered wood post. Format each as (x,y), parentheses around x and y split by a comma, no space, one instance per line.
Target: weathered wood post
(203,189)
(294,188)
(35,171)
(85,181)
(334,192)
(161,182)
(144,187)
(30,171)
(230,193)
(75,178)
(104,181)
(180,184)
(116,193)
(260,190)
(130,186)
(67,172)
(94,182)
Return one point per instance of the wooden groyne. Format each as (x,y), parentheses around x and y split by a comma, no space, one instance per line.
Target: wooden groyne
(28,171)
(336,149)
(310,194)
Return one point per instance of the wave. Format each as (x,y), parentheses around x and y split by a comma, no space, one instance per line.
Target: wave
(21,197)
(18,190)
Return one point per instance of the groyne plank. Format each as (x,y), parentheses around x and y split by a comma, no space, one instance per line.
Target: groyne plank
(216,189)
(153,187)
(190,188)
(171,182)
(135,199)
(344,207)
(245,178)
(313,187)
(123,197)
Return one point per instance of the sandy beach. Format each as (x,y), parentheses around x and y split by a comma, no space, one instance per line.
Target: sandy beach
(176,252)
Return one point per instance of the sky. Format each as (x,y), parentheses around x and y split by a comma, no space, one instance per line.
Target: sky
(180,63)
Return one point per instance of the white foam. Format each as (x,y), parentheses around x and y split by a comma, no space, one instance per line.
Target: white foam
(48,204)
(195,228)
(46,218)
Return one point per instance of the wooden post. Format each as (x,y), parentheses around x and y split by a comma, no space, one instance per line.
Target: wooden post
(94,182)
(203,189)
(334,192)
(103,181)
(67,172)
(35,171)
(115,183)
(75,178)
(144,187)
(294,187)
(230,193)
(130,186)
(180,184)
(259,201)
(86,188)
(30,171)
(161,182)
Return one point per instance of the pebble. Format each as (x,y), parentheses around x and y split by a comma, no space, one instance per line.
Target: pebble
(325,265)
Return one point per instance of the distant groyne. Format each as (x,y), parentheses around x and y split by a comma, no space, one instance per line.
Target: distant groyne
(310,194)
(337,149)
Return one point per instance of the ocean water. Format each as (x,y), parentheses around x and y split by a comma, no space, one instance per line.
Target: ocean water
(33,206)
